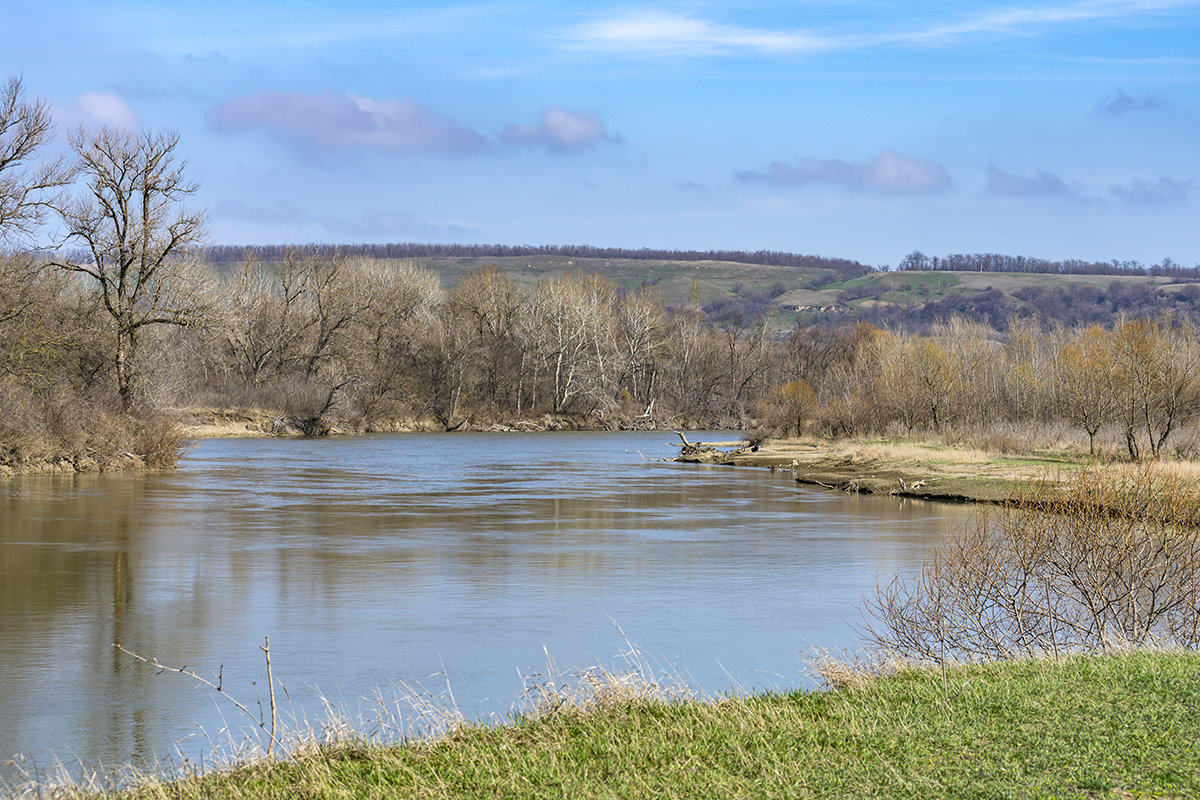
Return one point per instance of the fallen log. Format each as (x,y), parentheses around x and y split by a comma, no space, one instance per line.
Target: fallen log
(742,443)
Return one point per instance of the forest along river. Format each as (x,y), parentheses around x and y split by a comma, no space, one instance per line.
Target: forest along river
(379,559)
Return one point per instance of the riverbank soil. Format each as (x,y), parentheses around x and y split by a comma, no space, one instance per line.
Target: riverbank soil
(906,469)
(236,422)
(242,422)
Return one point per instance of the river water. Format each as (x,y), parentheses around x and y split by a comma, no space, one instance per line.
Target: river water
(416,559)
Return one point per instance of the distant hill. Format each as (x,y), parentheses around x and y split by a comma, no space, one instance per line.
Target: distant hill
(739,286)
(916,300)
(410,251)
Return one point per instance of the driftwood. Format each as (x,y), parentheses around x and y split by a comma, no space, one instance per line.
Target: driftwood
(695,448)
(711,445)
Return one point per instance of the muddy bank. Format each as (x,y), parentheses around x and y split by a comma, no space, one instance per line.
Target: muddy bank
(212,423)
(70,466)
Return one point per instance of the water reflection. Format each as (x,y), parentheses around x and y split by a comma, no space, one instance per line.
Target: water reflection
(372,559)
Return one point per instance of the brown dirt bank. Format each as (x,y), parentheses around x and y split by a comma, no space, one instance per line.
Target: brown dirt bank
(69,466)
(222,423)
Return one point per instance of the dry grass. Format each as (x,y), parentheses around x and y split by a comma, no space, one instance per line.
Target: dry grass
(412,715)
(850,671)
(908,453)
(225,423)
(634,678)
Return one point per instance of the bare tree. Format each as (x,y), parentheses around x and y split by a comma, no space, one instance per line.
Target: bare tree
(573,316)
(27,189)
(256,328)
(694,365)
(1085,373)
(932,378)
(902,395)
(135,231)
(1158,378)
(494,305)
(642,333)
(400,308)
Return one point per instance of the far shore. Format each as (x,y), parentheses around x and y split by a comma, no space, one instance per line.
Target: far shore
(912,468)
(229,423)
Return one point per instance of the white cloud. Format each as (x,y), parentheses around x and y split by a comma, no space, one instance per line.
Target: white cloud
(559,131)
(654,33)
(103,108)
(888,173)
(343,121)
(662,34)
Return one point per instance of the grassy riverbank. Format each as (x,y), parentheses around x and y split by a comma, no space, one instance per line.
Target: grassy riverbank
(928,470)
(1112,726)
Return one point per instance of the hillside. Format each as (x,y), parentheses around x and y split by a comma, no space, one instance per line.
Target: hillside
(844,292)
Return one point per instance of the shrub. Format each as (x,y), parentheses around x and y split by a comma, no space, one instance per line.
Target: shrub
(159,440)
(1109,563)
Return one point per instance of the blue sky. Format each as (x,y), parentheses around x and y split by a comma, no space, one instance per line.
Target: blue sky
(862,130)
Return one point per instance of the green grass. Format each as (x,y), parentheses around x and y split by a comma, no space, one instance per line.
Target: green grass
(1115,726)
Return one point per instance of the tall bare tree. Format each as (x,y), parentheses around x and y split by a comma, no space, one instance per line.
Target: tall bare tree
(27,189)
(135,231)
(642,341)
(573,321)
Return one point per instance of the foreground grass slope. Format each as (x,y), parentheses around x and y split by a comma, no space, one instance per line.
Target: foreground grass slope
(1122,725)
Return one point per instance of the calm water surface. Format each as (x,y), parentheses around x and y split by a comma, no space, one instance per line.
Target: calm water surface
(380,559)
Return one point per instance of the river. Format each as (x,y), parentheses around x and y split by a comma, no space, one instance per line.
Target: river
(418,559)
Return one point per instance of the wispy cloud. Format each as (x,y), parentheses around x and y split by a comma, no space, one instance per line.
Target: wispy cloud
(657,33)
(1163,191)
(1029,20)
(888,173)
(1041,184)
(342,121)
(663,34)
(559,131)
(102,108)
(1121,103)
